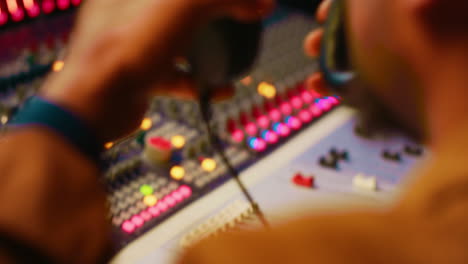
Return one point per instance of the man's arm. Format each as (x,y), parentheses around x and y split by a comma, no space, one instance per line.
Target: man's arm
(51,197)
(421,229)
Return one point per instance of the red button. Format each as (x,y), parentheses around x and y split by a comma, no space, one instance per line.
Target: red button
(303,181)
(160,143)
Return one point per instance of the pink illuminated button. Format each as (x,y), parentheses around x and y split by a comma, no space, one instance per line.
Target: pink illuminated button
(128,227)
(257,144)
(76,2)
(305,116)
(251,129)
(294,122)
(307,97)
(170,201)
(270,137)
(34,10)
(296,102)
(3,18)
(146,216)
(137,220)
(314,110)
(237,135)
(48,6)
(185,191)
(286,108)
(282,129)
(162,206)
(261,145)
(177,196)
(263,121)
(18,15)
(333,100)
(325,104)
(275,115)
(154,211)
(63,4)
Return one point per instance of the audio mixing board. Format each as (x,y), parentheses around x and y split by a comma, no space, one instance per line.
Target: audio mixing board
(296,150)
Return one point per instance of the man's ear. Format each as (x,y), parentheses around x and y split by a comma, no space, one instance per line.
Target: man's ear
(447,17)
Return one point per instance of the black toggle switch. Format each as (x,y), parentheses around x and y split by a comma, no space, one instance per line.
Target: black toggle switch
(395,156)
(339,155)
(329,162)
(413,150)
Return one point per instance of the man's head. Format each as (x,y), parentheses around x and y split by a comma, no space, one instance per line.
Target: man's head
(403,50)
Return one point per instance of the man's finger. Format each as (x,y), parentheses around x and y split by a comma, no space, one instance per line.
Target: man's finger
(322,12)
(317,83)
(312,43)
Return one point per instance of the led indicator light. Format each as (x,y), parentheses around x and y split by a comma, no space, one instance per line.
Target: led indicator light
(178,142)
(150,200)
(251,129)
(296,102)
(128,227)
(246,81)
(177,172)
(63,4)
(48,6)
(208,165)
(266,90)
(286,108)
(146,189)
(109,145)
(146,124)
(237,135)
(263,121)
(58,66)
(275,114)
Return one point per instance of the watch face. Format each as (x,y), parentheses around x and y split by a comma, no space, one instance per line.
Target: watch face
(334,58)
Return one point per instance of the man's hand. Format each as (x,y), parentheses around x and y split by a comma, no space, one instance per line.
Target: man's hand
(121,52)
(312,48)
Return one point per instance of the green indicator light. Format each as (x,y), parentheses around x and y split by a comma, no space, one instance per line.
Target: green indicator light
(145,189)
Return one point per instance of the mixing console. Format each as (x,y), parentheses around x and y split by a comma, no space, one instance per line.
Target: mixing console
(171,163)
(168,188)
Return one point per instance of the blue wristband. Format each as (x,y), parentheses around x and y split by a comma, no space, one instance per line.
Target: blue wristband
(38,111)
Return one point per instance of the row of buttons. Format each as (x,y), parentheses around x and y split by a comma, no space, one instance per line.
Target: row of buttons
(360,182)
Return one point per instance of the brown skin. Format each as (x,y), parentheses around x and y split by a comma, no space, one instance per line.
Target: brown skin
(62,204)
(423,45)
(119,56)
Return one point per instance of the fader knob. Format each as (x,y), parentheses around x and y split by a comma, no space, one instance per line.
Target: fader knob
(396,157)
(157,150)
(329,162)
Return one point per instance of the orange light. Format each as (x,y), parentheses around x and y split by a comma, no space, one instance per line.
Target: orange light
(12,6)
(4,119)
(150,200)
(208,165)
(177,172)
(28,4)
(266,90)
(58,66)
(178,142)
(247,81)
(109,145)
(146,124)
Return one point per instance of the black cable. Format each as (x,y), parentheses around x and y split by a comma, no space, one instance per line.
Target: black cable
(205,109)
